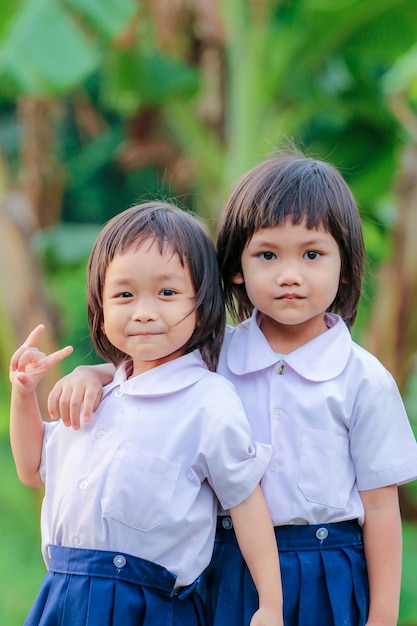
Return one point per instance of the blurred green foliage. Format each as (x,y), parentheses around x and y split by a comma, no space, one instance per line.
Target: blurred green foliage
(315,72)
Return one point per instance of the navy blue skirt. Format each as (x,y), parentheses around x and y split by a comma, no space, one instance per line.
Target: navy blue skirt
(99,588)
(323,571)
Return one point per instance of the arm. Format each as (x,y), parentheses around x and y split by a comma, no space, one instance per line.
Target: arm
(383,552)
(79,393)
(256,538)
(27,368)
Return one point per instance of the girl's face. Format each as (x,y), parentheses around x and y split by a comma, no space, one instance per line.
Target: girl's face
(147,299)
(291,274)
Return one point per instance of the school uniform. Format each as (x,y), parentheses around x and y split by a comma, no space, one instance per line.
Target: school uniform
(128,519)
(337,425)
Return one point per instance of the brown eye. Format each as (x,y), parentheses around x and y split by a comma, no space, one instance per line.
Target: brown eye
(311,255)
(267,256)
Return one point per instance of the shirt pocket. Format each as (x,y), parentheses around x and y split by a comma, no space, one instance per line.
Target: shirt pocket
(326,475)
(139,487)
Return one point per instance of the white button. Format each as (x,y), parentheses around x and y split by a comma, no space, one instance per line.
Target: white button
(119,561)
(227,523)
(322,533)
(273,466)
(83,483)
(118,393)
(100,434)
(278,412)
(76,540)
(280,368)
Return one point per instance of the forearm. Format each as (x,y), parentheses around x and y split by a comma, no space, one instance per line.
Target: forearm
(260,552)
(383,551)
(26,436)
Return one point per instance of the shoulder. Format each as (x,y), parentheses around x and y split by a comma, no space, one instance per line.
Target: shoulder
(368,365)
(215,387)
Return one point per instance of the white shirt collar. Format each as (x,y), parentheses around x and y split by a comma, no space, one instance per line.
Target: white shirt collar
(162,380)
(322,358)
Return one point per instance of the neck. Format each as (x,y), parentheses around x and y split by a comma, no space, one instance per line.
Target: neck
(285,338)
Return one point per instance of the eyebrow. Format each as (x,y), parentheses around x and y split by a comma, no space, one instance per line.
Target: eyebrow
(162,277)
(271,243)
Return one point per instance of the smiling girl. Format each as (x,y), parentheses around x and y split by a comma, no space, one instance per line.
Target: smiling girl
(131,499)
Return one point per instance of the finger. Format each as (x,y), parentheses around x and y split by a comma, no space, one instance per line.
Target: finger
(64,402)
(30,342)
(54,399)
(33,336)
(74,408)
(28,381)
(23,356)
(54,358)
(91,401)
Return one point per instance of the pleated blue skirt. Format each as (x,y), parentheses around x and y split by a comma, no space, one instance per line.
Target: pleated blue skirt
(323,571)
(100,588)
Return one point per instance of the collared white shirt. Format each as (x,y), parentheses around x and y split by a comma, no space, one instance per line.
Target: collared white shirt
(334,417)
(140,477)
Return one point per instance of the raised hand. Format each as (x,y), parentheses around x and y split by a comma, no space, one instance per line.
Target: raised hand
(29,365)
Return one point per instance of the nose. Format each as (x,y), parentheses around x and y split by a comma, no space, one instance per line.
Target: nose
(144,311)
(289,274)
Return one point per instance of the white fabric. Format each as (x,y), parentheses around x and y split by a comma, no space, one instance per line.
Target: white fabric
(334,417)
(140,477)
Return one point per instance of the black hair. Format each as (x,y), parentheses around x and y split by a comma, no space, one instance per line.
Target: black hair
(301,189)
(185,236)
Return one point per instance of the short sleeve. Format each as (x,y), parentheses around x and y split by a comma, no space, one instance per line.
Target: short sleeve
(232,461)
(382,443)
(49,429)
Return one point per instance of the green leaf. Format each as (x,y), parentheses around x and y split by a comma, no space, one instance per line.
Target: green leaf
(94,156)
(66,244)
(134,79)
(45,51)
(7,9)
(402,74)
(109,17)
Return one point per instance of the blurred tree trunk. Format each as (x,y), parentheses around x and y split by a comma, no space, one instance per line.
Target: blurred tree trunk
(23,304)
(43,178)
(392,332)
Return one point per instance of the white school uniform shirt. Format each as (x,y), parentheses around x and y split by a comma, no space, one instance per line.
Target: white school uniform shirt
(140,477)
(333,415)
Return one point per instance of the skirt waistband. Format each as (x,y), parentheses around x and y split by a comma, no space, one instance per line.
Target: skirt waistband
(302,537)
(106,564)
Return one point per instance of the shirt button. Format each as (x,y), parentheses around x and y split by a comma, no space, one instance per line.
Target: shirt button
(278,412)
(83,483)
(273,466)
(118,393)
(76,540)
(119,561)
(322,534)
(100,434)
(227,523)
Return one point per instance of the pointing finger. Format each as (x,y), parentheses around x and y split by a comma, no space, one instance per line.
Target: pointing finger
(32,338)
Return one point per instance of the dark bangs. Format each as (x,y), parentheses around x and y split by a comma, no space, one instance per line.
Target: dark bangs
(184,235)
(295,188)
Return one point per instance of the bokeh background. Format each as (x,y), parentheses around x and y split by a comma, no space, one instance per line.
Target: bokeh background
(105,103)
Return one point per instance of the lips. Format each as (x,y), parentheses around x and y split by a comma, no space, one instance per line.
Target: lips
(290,296)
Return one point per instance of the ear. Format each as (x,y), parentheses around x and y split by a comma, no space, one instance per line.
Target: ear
(238,278)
